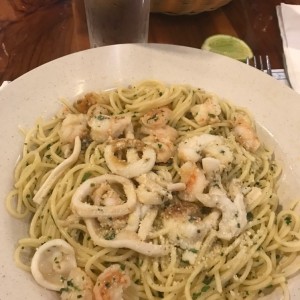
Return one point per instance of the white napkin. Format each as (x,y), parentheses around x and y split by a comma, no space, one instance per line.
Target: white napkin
(289,24)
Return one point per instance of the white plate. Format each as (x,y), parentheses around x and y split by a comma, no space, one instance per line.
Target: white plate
(275,107)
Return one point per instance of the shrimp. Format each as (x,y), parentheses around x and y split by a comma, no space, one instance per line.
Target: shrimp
(194,179)
(83,105)
(106,195)
(206,112)
(190,149)
(111,284)
(104,126)
(158,134)
(164,148)
(164,133)
(73,125)
(156,118)
(205,145)
(245,133)
(77,286)
(96,110)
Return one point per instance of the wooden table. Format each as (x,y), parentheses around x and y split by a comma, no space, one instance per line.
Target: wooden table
(33,32)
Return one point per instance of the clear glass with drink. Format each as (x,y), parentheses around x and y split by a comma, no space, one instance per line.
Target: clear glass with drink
(117,21)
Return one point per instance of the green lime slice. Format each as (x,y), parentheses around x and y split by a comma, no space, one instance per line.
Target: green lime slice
(229,46)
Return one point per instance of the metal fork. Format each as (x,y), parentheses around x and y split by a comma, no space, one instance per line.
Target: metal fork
(261,63)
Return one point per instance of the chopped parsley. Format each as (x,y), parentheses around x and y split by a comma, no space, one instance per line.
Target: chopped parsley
(288,220)
(249,216)
(160,295)
(154,118)
(207,280)
(193,250)
(110,235)
(101,117)
(205,288)
(195,296)
(86,176)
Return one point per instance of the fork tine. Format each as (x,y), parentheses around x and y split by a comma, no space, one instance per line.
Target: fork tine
(269,68)
(258,63)
(254,62)
(261,64)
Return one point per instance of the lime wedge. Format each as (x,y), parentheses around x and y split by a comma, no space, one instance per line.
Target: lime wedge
(229,46)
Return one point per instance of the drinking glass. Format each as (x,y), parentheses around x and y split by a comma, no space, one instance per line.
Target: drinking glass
(117,21)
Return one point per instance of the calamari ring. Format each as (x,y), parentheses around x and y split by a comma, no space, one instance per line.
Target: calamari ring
(125,239)
(129,169)
(87,210)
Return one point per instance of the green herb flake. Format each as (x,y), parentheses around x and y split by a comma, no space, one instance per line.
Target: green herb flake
(110,235)
(205,288)
(86,176)
(193,250)
(70,283)
(64,289)
(101,117)
(161,295)
(154,118)
(195,296)
(207,280)
(288,220)
(249,216)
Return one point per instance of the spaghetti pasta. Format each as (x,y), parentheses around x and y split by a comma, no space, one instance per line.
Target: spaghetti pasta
(170,183)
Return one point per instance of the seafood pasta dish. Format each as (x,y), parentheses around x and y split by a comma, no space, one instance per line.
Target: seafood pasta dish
(152,191)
